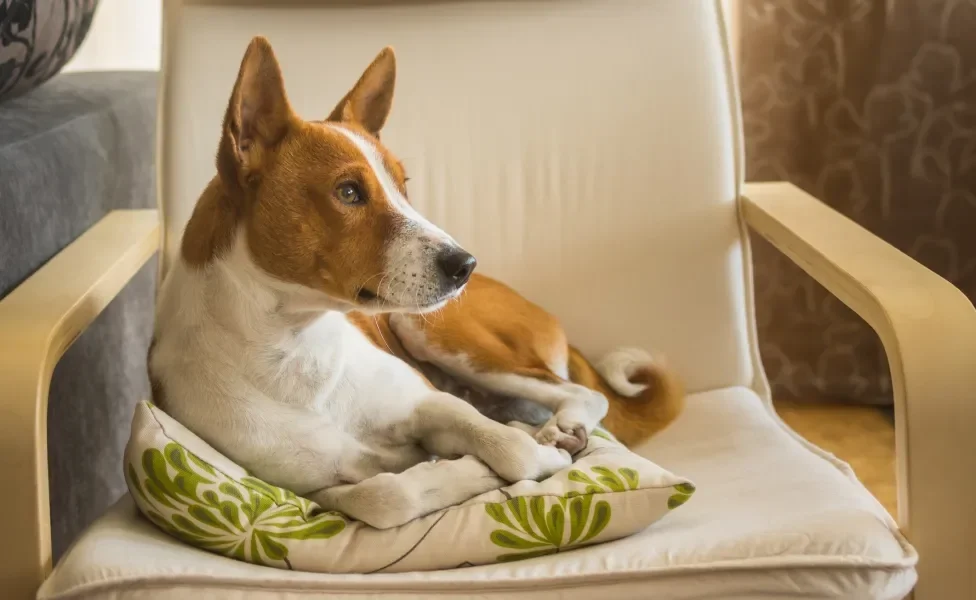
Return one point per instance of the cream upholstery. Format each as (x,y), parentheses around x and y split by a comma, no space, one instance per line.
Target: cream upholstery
(771,519)
(587,151)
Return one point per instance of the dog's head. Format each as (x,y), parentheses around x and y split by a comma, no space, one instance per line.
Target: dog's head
(323,204)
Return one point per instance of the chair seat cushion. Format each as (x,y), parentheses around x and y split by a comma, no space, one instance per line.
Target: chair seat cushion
(197,495)
(772,517)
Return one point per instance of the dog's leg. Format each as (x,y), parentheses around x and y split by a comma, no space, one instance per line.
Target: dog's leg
(513,348)
(576,410)
(550,434)
(448,426)
(392,499)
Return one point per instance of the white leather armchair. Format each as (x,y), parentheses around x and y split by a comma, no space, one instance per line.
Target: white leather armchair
(588,152)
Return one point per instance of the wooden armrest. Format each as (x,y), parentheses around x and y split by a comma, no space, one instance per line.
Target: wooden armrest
(38,321)
(928,329)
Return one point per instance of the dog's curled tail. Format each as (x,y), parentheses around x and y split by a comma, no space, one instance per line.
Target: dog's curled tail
(644,395)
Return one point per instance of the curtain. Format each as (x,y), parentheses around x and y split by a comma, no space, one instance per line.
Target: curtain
(870,105)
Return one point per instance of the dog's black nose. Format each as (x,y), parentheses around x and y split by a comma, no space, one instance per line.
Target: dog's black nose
(457,266)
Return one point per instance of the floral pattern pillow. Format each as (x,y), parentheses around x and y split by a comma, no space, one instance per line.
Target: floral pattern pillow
(193,493)
(37,38)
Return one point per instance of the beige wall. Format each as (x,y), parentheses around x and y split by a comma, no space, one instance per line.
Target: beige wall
(125,35)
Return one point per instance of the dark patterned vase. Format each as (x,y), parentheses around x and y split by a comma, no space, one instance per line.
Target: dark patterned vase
(37,38)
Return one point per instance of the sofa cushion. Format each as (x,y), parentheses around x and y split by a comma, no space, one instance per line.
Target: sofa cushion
(71,151)
(192,492)
(773,518)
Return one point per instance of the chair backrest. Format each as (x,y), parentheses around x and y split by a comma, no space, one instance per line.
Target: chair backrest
(586,151)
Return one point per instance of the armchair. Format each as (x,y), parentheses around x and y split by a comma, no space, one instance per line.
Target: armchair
(588,152)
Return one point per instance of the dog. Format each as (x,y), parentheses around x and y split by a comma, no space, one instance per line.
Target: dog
(293,333)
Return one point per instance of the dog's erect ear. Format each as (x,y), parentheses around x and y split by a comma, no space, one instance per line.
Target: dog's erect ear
(368,102)
(258,114)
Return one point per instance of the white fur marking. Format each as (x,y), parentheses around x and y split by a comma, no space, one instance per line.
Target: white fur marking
(375,161)
(619,365)
(411,274)
(560,364)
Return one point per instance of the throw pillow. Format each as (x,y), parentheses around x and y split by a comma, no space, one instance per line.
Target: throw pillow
(192,492)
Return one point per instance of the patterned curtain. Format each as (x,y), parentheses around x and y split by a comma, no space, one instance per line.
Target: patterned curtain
(870,105)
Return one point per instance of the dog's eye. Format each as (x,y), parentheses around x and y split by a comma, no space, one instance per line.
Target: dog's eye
(349,193)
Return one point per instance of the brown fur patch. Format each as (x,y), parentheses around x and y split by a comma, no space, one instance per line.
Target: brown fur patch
(278,177)
(210,231)
(299,231)
(498,330)
(502,332)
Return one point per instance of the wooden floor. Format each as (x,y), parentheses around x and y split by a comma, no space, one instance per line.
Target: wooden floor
(862,436)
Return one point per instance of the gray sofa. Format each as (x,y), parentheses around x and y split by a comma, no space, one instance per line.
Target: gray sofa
(72,150)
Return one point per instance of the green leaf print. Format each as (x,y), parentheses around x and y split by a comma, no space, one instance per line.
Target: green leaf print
(579,511)
(188,526)
(631,476)
(325,527)
(609,478)
(277,494)
(211,498)
(506,539)
(132,480)
(174,454)
(186,479)
(497,512)
(237,551)
(154,464)
(580,477)
(682,495)
(546,532)
(272,549)
(231,490)
(158,494)
(206,517)
(677,500)
(520,510)
(231,514)
(248,520)
(203,466)
(557,524)
(538,507)
(601,518)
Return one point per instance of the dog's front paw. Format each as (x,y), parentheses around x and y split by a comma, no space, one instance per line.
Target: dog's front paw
(572,441)
(551,460)
(524,458)
(567,430)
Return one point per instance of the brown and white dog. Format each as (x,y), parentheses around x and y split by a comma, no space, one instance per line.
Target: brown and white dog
(290,334)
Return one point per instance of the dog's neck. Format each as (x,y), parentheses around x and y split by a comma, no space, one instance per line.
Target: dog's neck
(250,301)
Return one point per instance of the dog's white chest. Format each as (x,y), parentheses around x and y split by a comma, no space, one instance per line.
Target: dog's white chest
(360,386)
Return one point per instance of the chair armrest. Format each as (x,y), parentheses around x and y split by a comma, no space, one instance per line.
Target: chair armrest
(39,320)
(928,329)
